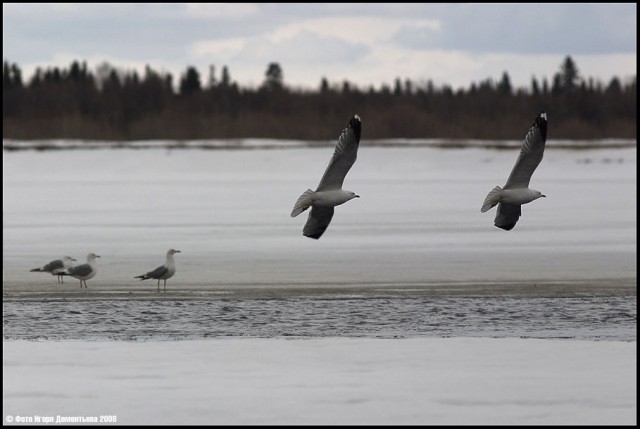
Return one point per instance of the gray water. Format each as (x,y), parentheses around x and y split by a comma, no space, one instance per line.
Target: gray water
(592,318)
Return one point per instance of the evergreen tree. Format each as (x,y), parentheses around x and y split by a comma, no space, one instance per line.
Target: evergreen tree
(190,82)
(274,78)
(212,76)
(225,80)
(568,76)
(408,87)
(397,87)
(324,85)
(535,88)
(11,76)
(614,87)
(504,86)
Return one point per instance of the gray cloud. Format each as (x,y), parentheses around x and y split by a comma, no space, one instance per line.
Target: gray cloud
(459,41)
(529,29)
(326,50)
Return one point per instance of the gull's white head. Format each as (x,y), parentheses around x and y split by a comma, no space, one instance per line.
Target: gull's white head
(172,251)
(92,257)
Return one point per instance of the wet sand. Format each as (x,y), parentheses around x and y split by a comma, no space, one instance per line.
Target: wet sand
(542,289)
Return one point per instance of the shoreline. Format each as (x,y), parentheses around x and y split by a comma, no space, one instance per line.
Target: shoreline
(39,145)
(33,290)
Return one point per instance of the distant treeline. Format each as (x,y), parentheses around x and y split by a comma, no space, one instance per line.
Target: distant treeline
(112,104)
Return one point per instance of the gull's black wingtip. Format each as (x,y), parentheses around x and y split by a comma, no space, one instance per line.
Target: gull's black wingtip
(355,124)
(541,123)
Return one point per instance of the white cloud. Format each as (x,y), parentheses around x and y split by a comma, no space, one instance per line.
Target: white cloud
(313,48)
(221,48)
(361,30)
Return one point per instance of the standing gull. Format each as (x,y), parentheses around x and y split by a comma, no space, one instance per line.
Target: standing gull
(84,272)
(163,272)
(517,192)
(56,267)
(330,193)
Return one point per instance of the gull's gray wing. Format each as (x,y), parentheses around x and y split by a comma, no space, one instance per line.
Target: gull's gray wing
(318,221)
(530,154)
(507,215)
(53,265)
(80,270)
(343,157)
(157,273)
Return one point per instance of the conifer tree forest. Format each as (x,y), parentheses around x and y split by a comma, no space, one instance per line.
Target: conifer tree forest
(109,103)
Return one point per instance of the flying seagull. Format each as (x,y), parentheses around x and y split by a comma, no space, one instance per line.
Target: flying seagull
(56,267)
(516,192)
(330,193)
(163,272)
(83,272)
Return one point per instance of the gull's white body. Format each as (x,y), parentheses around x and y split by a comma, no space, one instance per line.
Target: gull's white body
(331,198)
(519,195)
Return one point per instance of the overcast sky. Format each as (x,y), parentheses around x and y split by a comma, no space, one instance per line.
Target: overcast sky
(366,44)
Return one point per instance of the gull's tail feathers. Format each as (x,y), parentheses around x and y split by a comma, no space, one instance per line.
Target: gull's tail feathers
(142,277)
(36,270)
(304,202)
(492,200)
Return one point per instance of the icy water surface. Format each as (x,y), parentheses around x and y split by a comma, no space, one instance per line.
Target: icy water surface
(412,257)
(597,318)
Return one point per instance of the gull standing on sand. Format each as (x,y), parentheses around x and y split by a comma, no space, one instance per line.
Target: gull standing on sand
(517,192)
(56,267)
(163,272)
(84,272)
(330,193)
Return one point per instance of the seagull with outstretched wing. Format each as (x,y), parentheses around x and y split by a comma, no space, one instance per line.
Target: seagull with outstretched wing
(516,192)
(329,192)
